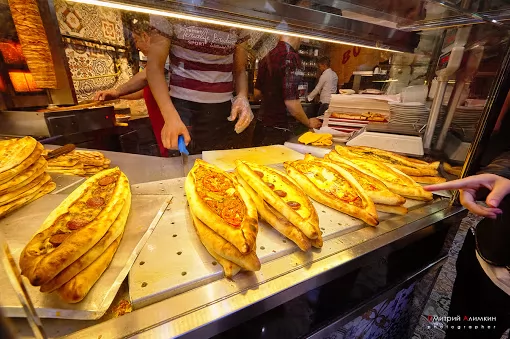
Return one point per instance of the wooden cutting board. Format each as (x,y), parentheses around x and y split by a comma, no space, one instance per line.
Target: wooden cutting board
(265,155)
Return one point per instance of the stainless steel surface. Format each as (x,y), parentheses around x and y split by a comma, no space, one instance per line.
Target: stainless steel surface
(434,114)
(21,123)
(206,309)
(144,209)
(14,277)
(65,183)
(150,281)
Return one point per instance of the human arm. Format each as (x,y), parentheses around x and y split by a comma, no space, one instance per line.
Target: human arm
(493,177)
(241,109)
(296,110)
(318,88)
(134,85)
(173,127)
(133,96)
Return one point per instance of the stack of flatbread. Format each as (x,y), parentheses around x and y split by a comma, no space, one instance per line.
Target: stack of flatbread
(22,173)
(282,203)
(77,162)
(78,240)
(224,216)
(418,170)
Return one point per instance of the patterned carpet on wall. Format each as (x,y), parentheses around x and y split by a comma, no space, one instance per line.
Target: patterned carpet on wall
(439,300)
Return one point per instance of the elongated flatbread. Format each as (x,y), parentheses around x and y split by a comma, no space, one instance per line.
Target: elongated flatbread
(19,180)
(18,203)
(282,194)
(113,233)
(395,180)
(75,226)
(225,249)
(335,188)
(401,210)
(14,151)
(24,191)
(375,189)
(428,180)
(219,201)
(275,219)
(452,170)
(229,268)
(37,174)
(79,286)
(387,156)
(14,171)
(418,172)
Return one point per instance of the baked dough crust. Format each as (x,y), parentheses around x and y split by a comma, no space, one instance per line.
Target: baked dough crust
(242,237)
(305,218)
(366,211)
(276,219)
(40,262)
(375,189)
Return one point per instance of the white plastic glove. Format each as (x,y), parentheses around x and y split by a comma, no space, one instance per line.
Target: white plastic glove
(241,110)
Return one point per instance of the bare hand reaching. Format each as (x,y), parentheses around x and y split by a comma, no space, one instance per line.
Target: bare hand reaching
(110,94)
(468,187)
(170,134)
(314,123)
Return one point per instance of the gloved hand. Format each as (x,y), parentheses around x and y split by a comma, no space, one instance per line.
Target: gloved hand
(241,110)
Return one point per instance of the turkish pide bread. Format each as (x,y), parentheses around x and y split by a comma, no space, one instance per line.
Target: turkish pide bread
(75,226)
(334,187)
(406,165)
(396,181)
(282,194)
(20,161)
(375,189)
(276,219)
(79,162)
(113,233)
(222,204)
(26,199)
(221,247)
(14,151)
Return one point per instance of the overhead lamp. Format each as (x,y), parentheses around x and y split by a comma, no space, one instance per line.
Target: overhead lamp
(181,16)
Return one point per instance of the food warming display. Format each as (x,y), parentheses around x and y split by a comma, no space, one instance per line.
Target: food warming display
(281,203)
(78,162)
(224,216)
(79,238)
(22,173)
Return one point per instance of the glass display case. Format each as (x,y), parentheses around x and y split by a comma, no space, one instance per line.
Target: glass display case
(424,78)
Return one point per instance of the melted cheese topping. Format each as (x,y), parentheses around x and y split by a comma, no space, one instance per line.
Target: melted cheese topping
(330,182)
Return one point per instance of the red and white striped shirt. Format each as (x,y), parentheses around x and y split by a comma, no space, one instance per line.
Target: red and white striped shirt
(201,59)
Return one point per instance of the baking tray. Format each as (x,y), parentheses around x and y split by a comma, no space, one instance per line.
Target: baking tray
(174,261)
(21,225)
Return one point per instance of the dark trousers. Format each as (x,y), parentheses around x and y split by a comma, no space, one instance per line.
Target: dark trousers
(209,127)
(322,108)
(268,135)
(475,295)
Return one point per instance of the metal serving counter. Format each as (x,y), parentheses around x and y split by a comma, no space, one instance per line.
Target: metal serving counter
(215,307)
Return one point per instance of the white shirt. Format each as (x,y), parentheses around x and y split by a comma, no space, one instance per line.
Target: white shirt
(327,85)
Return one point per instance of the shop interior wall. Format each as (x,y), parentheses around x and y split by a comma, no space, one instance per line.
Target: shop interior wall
(93,60)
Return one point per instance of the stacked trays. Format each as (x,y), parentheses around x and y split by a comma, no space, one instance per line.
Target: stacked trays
(23,176)
(465,121)
(409,113)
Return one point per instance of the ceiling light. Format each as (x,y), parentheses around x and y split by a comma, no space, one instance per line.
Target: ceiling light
(151,11)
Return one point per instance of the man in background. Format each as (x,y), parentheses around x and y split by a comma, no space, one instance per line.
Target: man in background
(279,75)
(326,86)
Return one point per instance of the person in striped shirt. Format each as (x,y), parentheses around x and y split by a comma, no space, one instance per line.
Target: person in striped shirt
(206,63)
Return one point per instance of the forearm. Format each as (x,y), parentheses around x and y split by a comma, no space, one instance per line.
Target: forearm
(159,89)
(296,110)
(240,76)
(133,96)
(135,84)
